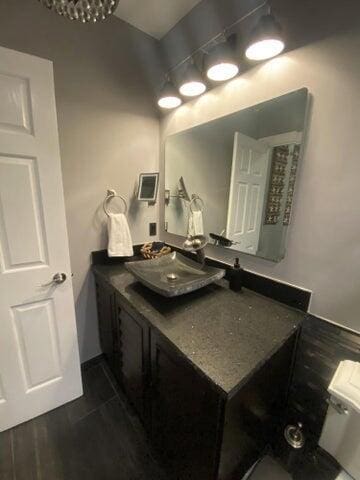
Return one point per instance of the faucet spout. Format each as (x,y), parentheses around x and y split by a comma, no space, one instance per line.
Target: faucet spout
(196,243)
(200,256)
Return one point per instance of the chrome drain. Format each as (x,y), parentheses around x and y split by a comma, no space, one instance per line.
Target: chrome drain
(172,277)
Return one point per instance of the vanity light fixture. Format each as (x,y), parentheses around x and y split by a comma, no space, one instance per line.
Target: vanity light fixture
(266,40)
(221,64)
(192,83)
(169,97)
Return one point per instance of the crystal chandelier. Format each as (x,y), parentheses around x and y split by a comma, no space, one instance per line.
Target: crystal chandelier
(82,10)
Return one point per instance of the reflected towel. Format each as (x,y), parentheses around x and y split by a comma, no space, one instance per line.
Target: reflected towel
(196,226)
(120,242)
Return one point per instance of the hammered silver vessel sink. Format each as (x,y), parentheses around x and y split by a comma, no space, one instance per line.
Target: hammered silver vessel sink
(173,274)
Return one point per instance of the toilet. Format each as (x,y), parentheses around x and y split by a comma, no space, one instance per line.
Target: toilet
(341,432)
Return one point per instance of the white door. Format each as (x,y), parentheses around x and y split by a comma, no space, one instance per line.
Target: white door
(249,172)
(39,358)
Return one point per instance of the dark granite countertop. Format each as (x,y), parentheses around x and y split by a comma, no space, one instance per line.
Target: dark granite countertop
(226,335)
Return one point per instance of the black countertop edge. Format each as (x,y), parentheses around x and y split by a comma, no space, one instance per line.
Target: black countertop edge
(238,387)
(287,294)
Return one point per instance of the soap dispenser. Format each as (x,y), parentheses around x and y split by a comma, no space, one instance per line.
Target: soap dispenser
(235,282)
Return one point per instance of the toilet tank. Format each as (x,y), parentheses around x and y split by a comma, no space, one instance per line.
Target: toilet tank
(341,432)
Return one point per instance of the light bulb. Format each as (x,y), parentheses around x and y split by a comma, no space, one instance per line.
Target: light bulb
(222,71)
(169,97)
(192,83)
(169,102)
(264,49)
(266,40)
(192,89)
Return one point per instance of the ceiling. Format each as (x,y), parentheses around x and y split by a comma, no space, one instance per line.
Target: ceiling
(155,17)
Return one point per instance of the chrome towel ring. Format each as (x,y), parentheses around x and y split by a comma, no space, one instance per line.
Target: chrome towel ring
(194,199)
(109,196)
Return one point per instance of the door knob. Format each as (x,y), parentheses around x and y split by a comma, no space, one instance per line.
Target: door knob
(57,279)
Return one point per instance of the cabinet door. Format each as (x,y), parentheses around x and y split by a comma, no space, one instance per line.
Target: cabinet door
(133,339)
(254,415)
(108,328)
(185,414)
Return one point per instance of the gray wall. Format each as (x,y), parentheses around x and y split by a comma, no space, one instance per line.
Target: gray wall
(323,252)
(205,164)
(108,127)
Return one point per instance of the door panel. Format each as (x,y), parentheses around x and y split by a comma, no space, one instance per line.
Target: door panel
(15,112)
(28,222)
(239,220)
(253,208)
(40,361)
(39,357)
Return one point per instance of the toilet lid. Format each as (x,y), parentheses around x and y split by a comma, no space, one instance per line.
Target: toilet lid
(345,385)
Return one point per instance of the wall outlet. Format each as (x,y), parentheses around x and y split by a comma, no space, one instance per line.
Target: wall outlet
(152,229)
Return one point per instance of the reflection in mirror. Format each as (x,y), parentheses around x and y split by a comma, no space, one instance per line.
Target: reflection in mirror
(233,178)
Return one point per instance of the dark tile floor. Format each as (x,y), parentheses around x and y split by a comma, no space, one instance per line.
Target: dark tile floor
(312,465)
(94,437)
(98,437)
(270,470)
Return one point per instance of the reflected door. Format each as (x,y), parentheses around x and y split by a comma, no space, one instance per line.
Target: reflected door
(39,358)
(249,172)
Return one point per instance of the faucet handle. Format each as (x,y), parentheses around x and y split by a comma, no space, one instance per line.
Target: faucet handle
(199,241)
(195,242)
(188,244)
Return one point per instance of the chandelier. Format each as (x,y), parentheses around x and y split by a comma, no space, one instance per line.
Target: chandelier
(82,10)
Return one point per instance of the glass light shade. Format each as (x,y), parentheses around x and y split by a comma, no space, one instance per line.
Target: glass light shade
(169,97)
(222,71)
(169,102)
(192,84)
(266,40)
(264,49)
(192,89)
(220,63)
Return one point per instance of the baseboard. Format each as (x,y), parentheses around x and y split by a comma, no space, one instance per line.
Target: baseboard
(92,362)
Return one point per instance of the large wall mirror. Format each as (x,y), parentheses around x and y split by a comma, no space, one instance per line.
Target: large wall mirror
(233,178)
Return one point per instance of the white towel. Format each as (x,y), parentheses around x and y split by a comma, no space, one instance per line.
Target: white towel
(120,242)
(196,226)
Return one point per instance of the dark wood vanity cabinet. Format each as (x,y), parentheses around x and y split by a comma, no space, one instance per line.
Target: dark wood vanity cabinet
(185,414)
(108,326)
(124,342)
(199,431)
(134,348)
(255,414)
